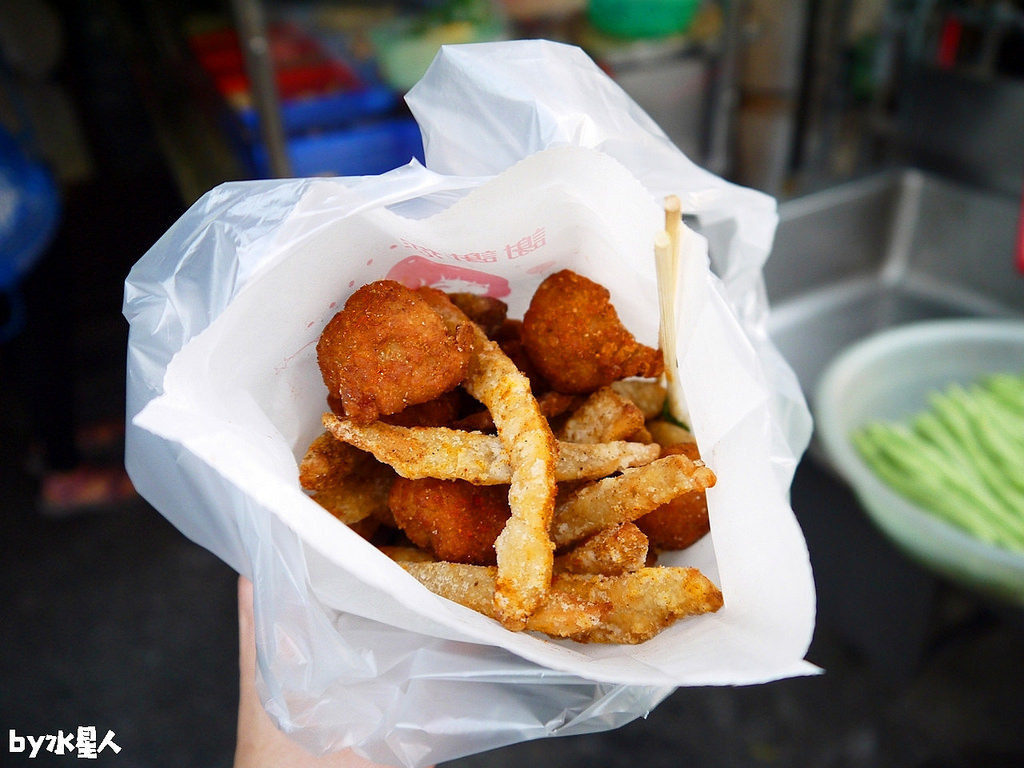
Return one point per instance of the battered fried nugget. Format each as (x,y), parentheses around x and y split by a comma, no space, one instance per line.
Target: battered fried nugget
(455,520)
(682,521)
(388,349)
(489,313)
(574,337)
(439,412)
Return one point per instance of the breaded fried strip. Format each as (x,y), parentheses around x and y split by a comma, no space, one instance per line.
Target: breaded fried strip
(667,433)
(418,452)
(560,614)
(326,462)
(552,405)
(604,416)
(629,608)
(643,602)
(577,461)
(613,551)
(357,497)
(627,496)
(524,549)
(452,454)
(647,394)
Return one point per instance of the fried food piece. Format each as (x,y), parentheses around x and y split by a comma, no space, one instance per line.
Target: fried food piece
(361,495)
(525,553)
(454,454)
(387,349)
(560,614)
(574,337)
(626,497)
(552,405)
(438,412)
(667,433)
(407,554)
(643,602)
(456,520)
(417,452)
(613,551)
(589,461)
(489,313)
(603,417)
(326,462)
(589,608)
(649,396)
(683,521)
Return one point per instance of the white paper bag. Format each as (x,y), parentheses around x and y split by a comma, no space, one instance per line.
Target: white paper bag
(224,396)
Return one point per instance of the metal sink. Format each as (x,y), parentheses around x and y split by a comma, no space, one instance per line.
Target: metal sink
(848,261)
(887,250)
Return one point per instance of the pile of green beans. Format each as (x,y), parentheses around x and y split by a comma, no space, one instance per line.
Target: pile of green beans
(962,458)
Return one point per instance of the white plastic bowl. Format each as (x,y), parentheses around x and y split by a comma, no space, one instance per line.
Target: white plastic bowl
(887,376)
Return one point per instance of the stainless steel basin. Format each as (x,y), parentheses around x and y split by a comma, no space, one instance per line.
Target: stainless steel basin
(891,249)
(846,262)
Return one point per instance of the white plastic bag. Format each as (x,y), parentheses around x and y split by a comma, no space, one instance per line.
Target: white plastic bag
(536,161)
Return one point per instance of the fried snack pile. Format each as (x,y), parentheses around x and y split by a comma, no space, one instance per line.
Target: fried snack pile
(520,468)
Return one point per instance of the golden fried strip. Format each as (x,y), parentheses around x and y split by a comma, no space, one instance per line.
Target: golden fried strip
(648,395)
(627,496)
(589,608)
(666,433)
(588,462)
(643,602)
(604,416)
(417,452)
(560,614)
(524,549)
(357,497)
(613,551)
(552,405)
(326,462)
(452,454)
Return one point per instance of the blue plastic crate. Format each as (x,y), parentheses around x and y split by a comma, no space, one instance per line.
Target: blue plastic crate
(326,112)
(360,150)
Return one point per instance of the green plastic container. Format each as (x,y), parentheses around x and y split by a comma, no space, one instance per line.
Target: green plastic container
(642,18)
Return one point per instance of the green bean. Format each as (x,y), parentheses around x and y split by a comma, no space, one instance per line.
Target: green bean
(924,494)
(961,458)
(961,408)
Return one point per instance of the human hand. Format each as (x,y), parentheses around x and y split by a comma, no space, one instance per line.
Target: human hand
(259,742)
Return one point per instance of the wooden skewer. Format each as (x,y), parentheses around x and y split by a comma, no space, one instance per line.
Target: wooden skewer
(673,217)
(666,253)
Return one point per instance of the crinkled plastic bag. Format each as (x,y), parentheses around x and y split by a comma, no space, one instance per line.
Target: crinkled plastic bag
(535,160)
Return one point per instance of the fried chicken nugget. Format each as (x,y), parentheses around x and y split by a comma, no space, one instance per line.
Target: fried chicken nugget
(388,349)
(574,337)
(682,521)
(487,312)
(455,520)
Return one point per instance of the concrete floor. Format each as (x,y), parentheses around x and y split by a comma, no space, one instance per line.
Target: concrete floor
(114,619)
